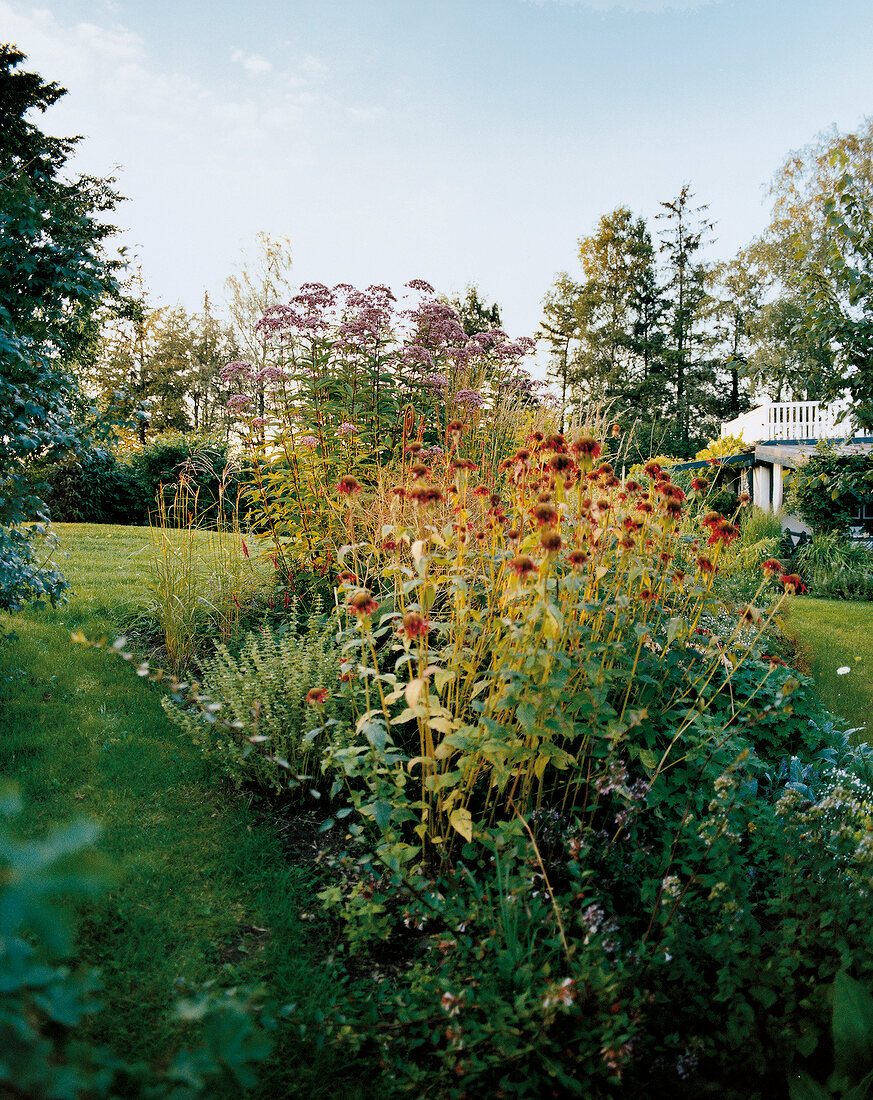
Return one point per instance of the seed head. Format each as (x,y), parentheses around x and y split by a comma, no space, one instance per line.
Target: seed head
(415,625)
(348,485)
(522,565)
(362,604)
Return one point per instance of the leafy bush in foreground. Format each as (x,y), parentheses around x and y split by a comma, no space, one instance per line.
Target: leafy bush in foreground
(43,1001)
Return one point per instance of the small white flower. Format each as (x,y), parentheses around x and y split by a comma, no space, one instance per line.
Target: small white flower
(842,671)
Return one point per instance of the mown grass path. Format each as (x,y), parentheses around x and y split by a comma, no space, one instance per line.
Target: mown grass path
(838,635)
(203,891)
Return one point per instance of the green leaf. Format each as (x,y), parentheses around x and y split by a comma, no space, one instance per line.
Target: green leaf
(852,1030)
(802,1087)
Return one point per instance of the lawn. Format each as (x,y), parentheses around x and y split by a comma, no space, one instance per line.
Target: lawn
(204,891)
(837,636)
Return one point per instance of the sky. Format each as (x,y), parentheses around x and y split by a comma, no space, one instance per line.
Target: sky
(456,141)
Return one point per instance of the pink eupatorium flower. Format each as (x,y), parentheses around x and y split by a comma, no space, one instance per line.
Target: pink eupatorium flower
(346,429)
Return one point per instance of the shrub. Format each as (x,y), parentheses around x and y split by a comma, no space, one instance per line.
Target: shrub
(829,488)
(837,566)
(267,689)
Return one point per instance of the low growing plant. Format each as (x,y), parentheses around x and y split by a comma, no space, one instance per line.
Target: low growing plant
(275,686)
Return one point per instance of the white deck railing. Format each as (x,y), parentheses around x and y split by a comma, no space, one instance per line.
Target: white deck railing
(787,420)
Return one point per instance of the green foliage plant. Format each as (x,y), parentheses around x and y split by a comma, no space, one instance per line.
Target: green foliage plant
(271,686)
(837,566)
(201,574)
(829,488)
(529,645)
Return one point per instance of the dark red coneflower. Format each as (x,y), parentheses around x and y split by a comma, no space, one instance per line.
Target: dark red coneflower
(348,485)
(315,697)
(415,625)
(363,605)
(545,514)
(772,568)
(792,583)
(522,565)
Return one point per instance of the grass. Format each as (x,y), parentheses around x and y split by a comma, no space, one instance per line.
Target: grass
(839,634)
(204,890)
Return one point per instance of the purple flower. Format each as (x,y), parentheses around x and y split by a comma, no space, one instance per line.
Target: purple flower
(237,402)
(437,381)
(420,284)
(346,429)
(270,374)
(469,397)
(236,369)
(309,442)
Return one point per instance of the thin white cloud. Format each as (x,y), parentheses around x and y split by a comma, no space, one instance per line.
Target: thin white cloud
(253,63)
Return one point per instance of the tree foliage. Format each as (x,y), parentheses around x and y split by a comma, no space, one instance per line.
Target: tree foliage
(54,275)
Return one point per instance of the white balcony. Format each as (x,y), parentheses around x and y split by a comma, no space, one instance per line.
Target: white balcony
(788,420)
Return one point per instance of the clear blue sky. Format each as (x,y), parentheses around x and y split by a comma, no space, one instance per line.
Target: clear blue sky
(450,140)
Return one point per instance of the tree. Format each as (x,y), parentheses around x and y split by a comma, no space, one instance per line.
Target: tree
(262,282)
(840,289)
(475,316)
(808,337)
(560,329)
(54,276)
(685,232)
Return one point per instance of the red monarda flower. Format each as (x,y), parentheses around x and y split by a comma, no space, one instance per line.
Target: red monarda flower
(414,447)
(673,507)
(348,485)
(522,454)
(561,463)
(418,470)
(705,565)
(363,604)
(315,697)
(699,484)
(772,568)
(652,469)
(545,514)
(647,595)
(481,491)
(750,615)
(347,578)
(792,583)
(585,445)
(415,625)
(513,534)
(556,442)
(643,506)
(522,565)
(456,426)
(463,464)
(724,531)
(551,541)
(632,486)
(577,558)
